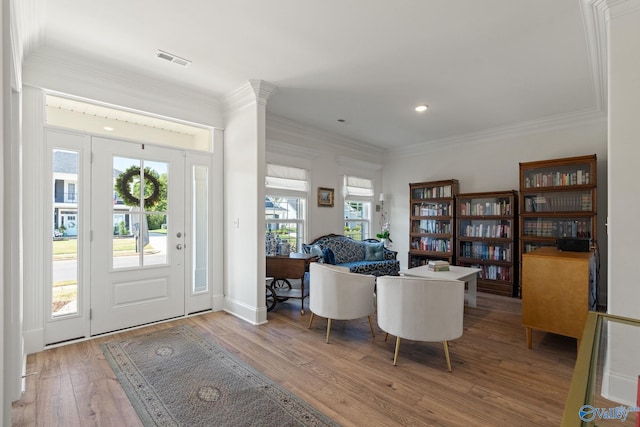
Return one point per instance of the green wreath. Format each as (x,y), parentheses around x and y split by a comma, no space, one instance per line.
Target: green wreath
(123,186)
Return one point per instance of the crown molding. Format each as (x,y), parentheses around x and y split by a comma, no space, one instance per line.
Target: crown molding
(26,33)
(254,91)
(549,124)
(291,150)
(353,163)
(594,19)
(622,7)
(278,124)
(89,78)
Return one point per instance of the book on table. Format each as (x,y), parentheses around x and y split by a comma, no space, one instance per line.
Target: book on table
(438,265)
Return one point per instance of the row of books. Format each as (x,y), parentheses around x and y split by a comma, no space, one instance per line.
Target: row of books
(557,228)
(432,226)
(493,272)
(557,179)
(530,247)
(432,192)
(431,244)
(485,251)
(432,209)
(487,230)
(485,208)
(564,203)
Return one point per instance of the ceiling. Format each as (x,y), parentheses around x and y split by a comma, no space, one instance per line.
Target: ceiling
(358,68)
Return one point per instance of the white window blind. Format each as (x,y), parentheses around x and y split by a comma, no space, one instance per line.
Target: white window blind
(354,186)
(286,178)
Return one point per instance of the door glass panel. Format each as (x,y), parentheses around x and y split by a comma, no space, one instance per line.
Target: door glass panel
(155,240)
(200,230)
(64,291)
(125,252)
(139,216)
(155,226)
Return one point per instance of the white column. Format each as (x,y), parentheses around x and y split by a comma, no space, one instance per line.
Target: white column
(244,172)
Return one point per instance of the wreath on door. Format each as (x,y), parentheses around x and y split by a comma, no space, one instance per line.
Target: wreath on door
(125,179)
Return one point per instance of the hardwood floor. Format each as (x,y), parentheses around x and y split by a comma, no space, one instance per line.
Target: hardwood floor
(496,380)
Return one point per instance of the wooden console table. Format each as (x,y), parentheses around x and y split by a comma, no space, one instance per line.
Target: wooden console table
(281,268)
(558,290)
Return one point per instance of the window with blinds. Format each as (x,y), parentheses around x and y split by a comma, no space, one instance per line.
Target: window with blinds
(286,190)
(358,194)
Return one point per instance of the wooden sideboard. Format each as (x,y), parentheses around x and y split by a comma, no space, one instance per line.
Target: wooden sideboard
(558,290)
(281,268)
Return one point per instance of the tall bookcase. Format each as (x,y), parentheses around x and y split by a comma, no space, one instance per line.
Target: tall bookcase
(486,239)
(557,199)
(432,224)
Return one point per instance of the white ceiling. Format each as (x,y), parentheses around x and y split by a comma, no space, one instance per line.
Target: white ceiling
(481,65)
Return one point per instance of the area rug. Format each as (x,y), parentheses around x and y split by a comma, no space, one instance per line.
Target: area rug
(175,377)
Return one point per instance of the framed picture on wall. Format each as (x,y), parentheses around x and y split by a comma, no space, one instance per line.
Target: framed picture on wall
(325,197)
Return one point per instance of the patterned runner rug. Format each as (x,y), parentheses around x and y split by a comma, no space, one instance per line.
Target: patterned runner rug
(175,377)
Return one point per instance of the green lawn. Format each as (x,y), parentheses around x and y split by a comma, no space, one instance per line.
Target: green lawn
(68,248)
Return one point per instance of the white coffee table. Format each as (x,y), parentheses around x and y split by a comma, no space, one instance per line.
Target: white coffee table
(465,274)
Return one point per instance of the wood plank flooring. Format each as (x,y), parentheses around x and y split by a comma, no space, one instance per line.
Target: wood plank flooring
(496,379)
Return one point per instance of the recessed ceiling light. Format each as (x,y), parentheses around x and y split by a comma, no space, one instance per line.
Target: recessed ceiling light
(109,128)
(421,108)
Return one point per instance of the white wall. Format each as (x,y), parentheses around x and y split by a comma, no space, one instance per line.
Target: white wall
(5,402)
(328,158)
(621,363)
(624,149)
(491,164)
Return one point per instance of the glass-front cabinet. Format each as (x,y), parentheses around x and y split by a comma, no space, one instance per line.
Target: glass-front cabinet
(605,388)
(557,200)
(432,226)
(486,232)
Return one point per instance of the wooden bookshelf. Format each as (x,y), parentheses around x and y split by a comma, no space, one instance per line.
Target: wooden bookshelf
(486,233)
(557,200)
(432,221)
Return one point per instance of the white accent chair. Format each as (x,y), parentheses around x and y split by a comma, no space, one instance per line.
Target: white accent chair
(335,293)
(420,309)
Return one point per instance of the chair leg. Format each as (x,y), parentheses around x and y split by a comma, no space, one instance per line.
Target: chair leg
(386,336)
(371,326)
(328,329)
(395,356)
(310,320)
(446,354)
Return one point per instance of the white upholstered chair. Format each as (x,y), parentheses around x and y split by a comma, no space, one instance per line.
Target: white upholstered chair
(335,293)
(420,309)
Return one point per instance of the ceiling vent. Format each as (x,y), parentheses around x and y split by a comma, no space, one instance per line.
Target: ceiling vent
(172,58)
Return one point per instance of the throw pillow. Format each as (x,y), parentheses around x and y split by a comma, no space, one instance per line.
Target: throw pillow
(375,252)
(317,251)
(329,256)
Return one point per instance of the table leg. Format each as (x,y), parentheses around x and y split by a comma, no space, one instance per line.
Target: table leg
(302,295)
(472,290)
